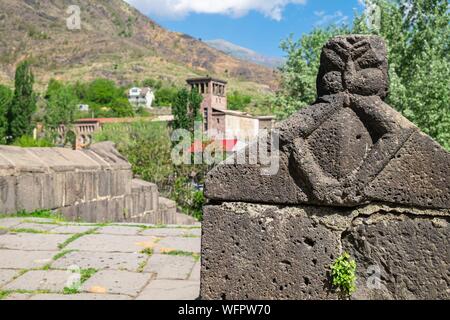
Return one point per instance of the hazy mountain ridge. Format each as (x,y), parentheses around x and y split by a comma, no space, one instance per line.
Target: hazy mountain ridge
(245,53)
(115,41)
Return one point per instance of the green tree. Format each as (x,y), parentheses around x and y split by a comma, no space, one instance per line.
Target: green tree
(5,101)
(164,96)
(61,107)
(299,73)
(102,92)
(180,110)
(186,109)
(23,105)
(52,87)
(238,101)
(417,33)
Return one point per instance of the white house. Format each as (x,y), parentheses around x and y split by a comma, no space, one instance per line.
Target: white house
(141,97)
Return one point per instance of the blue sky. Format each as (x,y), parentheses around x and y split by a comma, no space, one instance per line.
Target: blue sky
(259,25)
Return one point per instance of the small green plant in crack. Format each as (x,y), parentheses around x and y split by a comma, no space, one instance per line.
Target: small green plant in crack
(24,230)
(147,251)
(4,294)
(84,275)
(196,256)
(343,275)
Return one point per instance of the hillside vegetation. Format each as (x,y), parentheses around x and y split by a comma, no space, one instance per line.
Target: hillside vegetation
(116,42)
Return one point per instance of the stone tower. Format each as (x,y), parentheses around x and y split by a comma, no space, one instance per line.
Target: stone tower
(354,175)
(214,92)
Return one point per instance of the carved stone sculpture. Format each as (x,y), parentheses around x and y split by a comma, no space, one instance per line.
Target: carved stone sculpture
(350,147)
(354,175)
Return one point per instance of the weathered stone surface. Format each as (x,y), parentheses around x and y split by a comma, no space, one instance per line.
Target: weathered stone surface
(254,251)
(36,226)
(112,243)
(6,276)
(178,244)
(262,252)
(119,230)
(68,229)
(101,260)
(79,297)
(10,222)
(349,148)
(170,267)
(20,259)
(170,290)
(165,232)
(410,254)
(52,280)
(114,282)
(31,241)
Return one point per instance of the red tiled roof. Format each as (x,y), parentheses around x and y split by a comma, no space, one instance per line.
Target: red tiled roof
(225,145)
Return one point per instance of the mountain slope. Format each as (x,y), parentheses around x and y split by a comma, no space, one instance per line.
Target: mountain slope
(244,53)
(115,41)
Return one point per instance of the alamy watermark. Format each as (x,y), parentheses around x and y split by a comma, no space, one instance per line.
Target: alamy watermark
(73,22)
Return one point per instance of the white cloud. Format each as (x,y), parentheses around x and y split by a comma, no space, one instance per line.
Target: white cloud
(235,8)
(337,18)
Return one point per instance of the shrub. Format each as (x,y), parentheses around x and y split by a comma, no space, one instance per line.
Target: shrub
(30,142)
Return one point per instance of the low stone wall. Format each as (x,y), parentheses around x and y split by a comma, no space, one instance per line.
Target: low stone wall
(93,185)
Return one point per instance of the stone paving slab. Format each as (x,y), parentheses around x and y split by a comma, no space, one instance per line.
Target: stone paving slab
(170,290)
(18,296)
(31,241)
(165,232)
(124,270)
(195,232)
(51,280)
(179,244)
(170,267)
(119,230)
(17,259)
(6,276)
(101,260)
(195,274)
(80,297)
(118,282)
(36,226)
(69,229)
(112,243)
(10,222)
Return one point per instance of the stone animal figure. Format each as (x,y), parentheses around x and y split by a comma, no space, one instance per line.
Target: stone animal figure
(349,148)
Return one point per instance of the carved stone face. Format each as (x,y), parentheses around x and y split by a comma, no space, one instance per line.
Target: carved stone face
(354,64)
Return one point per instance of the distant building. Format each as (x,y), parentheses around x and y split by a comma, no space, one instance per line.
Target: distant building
(218,120)
(214,94)
(83,107)
(141,97)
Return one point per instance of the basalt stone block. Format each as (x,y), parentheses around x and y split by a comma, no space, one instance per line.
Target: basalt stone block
(264,252)
(53,191)
(252,251)
(108,152)
(348,149)
(8,195)
(74,187)
(22,159)
(29,192)
(400,256)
